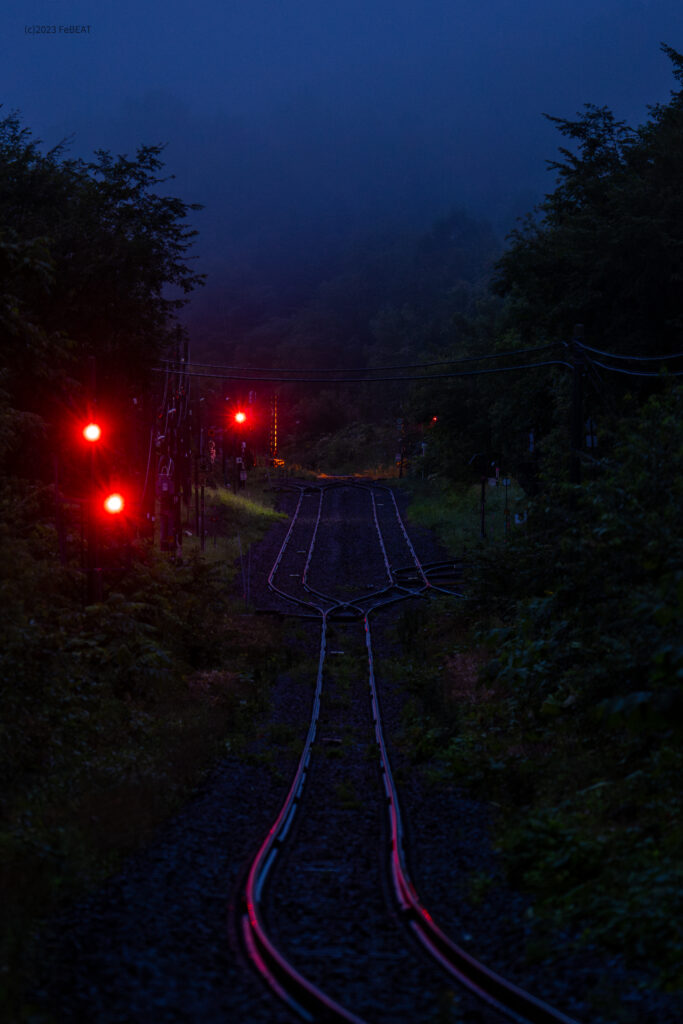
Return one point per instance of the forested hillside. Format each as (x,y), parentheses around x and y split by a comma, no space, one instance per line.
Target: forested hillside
(576,622)
(601,250)
(111,709)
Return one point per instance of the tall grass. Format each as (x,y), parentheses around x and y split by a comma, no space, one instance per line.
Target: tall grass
(453,511)
(233,521)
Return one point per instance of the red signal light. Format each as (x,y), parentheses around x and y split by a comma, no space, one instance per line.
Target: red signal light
(92,431)
(114,503)
(240,417)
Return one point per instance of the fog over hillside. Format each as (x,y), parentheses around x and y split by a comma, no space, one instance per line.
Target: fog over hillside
(305,129)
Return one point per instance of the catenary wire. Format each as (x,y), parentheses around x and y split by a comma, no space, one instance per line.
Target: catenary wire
(637,373)
(369,369)
(372,380)
(640,359)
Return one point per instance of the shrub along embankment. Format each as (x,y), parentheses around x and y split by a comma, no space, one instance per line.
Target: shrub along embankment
(113,712)
(555,690)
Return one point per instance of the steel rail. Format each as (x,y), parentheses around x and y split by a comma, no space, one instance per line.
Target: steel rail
(407,539)
(273,572)
(309,1001)
(338,606)
(300,994)
(346,609)
(305,998)
(423,570)
(499,993)
(503,995)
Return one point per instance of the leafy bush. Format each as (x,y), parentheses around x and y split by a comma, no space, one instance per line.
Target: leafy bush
(574,726)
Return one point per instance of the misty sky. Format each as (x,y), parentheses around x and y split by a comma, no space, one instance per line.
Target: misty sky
(301,120)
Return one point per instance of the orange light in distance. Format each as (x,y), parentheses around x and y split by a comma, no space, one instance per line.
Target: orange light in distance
(240,417)
(92,432)
(114,503)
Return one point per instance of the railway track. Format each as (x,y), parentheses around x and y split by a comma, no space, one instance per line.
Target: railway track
(314,574)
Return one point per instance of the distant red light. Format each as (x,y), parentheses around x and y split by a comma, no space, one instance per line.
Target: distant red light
(92,432)
(240,417)
(114,503)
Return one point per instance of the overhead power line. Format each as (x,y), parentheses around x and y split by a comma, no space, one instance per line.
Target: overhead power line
(371,380)
(229,372)
(369,369)
(251,374)
(637,373)
(639,359)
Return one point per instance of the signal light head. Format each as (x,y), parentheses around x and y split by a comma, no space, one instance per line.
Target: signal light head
(240,417)
(114,503)
(92,431)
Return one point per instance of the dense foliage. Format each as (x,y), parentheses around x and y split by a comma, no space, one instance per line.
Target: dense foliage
(99,717)
(574,727)
(604,248)
(93,263)
(576,622)
(592,663)
(112,711)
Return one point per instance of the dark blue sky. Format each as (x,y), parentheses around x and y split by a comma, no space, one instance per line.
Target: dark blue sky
(296,119)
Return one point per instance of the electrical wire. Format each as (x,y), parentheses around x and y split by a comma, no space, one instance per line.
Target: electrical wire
(370,369)
(232,376)
(149,461)
(637,373)
(640,359)
(373,380)
(163,405)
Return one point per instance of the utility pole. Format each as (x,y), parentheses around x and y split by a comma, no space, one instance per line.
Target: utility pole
(273,428)
(200,478)
(93,572)
(401,454)
(506,513)
(148,498)
(180,460)
(577,405)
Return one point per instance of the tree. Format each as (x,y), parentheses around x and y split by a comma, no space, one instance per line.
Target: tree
(89,252)
(606,246)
